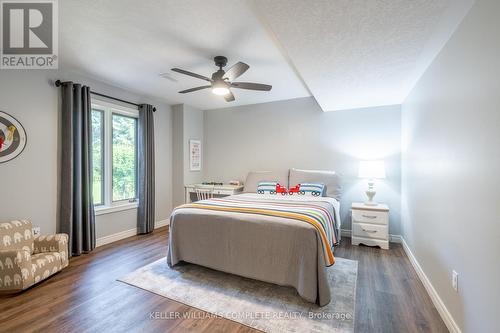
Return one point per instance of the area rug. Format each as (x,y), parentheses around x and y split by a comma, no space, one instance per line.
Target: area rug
(263,306)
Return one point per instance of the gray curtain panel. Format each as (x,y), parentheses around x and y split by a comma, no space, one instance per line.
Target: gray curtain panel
(76,215)
(146,157)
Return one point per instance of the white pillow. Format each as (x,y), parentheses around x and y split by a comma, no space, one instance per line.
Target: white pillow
(331,180)
(255,177)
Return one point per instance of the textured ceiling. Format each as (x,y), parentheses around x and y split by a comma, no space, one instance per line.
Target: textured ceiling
(128,43)
(361,53)
(346,53)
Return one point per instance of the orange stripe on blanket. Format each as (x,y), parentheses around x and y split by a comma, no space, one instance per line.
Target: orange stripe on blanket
(331,259)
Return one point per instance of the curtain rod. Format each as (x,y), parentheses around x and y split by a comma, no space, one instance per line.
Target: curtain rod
(60,83)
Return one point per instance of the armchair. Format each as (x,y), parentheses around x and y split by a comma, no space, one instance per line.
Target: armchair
(26,260)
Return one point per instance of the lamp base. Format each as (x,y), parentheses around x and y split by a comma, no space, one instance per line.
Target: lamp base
(370,193)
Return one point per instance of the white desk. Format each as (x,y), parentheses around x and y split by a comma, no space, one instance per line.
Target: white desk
(218,190)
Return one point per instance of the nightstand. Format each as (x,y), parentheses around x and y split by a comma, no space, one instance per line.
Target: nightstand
(370,225)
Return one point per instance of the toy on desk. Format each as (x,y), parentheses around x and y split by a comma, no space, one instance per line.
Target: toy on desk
(235,182)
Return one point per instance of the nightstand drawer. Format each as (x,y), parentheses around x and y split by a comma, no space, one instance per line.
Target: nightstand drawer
(370,231)
(368,216)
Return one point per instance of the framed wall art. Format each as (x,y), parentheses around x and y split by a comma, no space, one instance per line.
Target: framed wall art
(12,137)
(194,155)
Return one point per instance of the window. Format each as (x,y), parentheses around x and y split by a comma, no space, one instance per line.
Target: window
(114,157)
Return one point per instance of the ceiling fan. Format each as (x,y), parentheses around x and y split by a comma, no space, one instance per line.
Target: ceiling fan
(222,81)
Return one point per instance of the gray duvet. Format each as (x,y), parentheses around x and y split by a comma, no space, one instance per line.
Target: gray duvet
(273,249)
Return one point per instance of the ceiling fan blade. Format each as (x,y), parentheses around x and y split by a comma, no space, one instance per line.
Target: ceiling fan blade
(194,89)
(236,71)
(198,76)
(229,97)
(251,86)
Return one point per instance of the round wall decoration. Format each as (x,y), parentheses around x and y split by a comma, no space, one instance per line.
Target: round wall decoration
(12,137)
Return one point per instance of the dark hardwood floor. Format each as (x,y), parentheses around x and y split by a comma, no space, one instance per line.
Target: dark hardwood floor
(85,297)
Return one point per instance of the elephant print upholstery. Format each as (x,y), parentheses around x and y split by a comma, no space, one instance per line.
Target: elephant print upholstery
(57,243)
(6,240)
(25,259)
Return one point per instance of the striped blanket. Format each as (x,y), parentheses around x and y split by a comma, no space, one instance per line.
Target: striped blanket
(318,214)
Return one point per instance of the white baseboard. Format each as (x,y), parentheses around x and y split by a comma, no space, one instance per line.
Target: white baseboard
(162,223)
(438,302)
(395,238)
(125,234)
(392,238)
(345,232)
(115,237)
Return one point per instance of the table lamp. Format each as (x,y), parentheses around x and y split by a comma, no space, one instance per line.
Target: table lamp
(371,170)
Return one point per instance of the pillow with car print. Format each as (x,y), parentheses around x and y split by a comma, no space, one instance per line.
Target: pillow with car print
(308,189)
(271,187)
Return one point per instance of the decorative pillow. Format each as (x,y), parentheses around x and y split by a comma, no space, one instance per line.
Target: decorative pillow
(310,189)
(330,179)
(267,187)
(255,177)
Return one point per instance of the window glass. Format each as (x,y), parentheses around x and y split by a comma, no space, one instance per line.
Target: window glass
(124,157)
(98,157)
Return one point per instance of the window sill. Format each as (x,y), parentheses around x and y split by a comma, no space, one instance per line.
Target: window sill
(101,210)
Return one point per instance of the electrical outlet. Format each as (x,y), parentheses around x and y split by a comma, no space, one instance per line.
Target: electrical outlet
(454,280)
(36,231)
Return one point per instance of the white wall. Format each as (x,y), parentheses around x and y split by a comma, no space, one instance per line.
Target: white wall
(32,178)
(451,161)
(296,133)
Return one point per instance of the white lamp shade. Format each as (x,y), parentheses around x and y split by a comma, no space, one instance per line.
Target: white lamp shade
(371,169)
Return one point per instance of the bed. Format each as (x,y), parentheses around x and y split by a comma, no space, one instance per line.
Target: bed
(282,239)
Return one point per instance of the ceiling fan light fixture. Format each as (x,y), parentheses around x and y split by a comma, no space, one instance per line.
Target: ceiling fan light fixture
(220,88)
(222,81)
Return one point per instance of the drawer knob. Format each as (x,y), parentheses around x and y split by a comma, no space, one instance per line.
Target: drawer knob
(369,216)
(369,231)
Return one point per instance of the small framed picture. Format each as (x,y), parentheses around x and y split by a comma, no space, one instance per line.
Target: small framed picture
(194,155)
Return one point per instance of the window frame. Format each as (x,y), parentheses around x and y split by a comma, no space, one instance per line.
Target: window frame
(109,109)
(103,176)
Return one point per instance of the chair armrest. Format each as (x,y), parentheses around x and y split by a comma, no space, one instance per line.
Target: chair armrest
(51,243)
